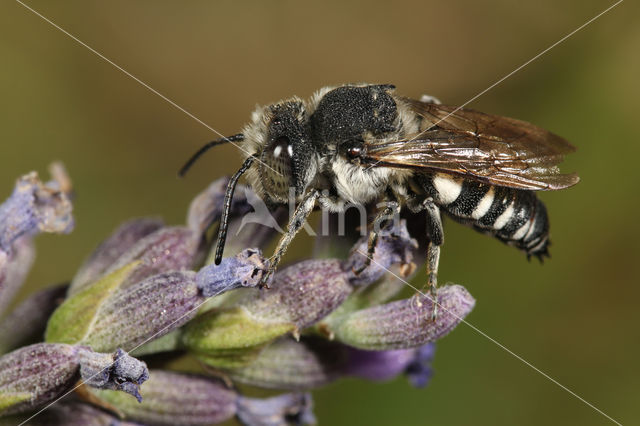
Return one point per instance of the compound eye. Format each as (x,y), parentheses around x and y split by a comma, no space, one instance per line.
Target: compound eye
(354,152)
(277,170)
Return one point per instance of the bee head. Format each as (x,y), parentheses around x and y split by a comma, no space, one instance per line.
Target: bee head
(286,154)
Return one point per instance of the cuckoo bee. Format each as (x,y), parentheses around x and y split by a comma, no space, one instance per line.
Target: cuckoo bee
(361,143)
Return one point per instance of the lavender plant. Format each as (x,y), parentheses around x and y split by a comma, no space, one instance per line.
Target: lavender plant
(77,353)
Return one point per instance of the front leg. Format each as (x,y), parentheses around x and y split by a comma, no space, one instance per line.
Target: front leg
(295,223)
(436,238)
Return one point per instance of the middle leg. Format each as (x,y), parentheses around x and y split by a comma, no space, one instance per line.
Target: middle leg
(390,210)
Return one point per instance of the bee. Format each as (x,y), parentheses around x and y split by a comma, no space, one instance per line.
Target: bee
(360,143)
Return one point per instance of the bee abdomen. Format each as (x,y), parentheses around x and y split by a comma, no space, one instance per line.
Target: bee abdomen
(516,217)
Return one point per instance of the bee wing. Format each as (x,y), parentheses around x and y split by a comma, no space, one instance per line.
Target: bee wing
(497,150)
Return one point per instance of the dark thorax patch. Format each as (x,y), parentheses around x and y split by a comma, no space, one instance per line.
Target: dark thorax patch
(348,112)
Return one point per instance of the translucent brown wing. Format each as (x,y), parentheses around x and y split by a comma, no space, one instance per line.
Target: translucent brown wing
(497,150)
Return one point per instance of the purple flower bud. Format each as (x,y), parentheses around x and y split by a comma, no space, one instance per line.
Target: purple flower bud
(405,323)
(121,240)
(276,411)
(394,246)
(144,311)
(164,250)
(71,412)
(177,399)
(207,207)
(27,322)
(313,362)
(36,374)
(14,268)
(302,293)
(34,207)
(243,270)
(291,365)
(117,371)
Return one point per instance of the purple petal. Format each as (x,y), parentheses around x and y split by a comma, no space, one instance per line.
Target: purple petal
(379,365)
(276,411)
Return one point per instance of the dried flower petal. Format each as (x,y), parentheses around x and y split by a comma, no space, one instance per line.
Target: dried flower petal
(405,323)
(117,371)
(27,322)
(121,240)
(33,207)
(276,411)
(243,270)
(394,247)
(177,399)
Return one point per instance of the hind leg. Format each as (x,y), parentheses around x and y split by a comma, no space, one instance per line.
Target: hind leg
(436,238)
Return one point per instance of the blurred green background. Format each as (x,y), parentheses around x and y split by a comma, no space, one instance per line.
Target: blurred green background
(575,317)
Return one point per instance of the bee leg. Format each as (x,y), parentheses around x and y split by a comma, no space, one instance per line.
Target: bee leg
(295,223)
(390,209)
(436,238)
